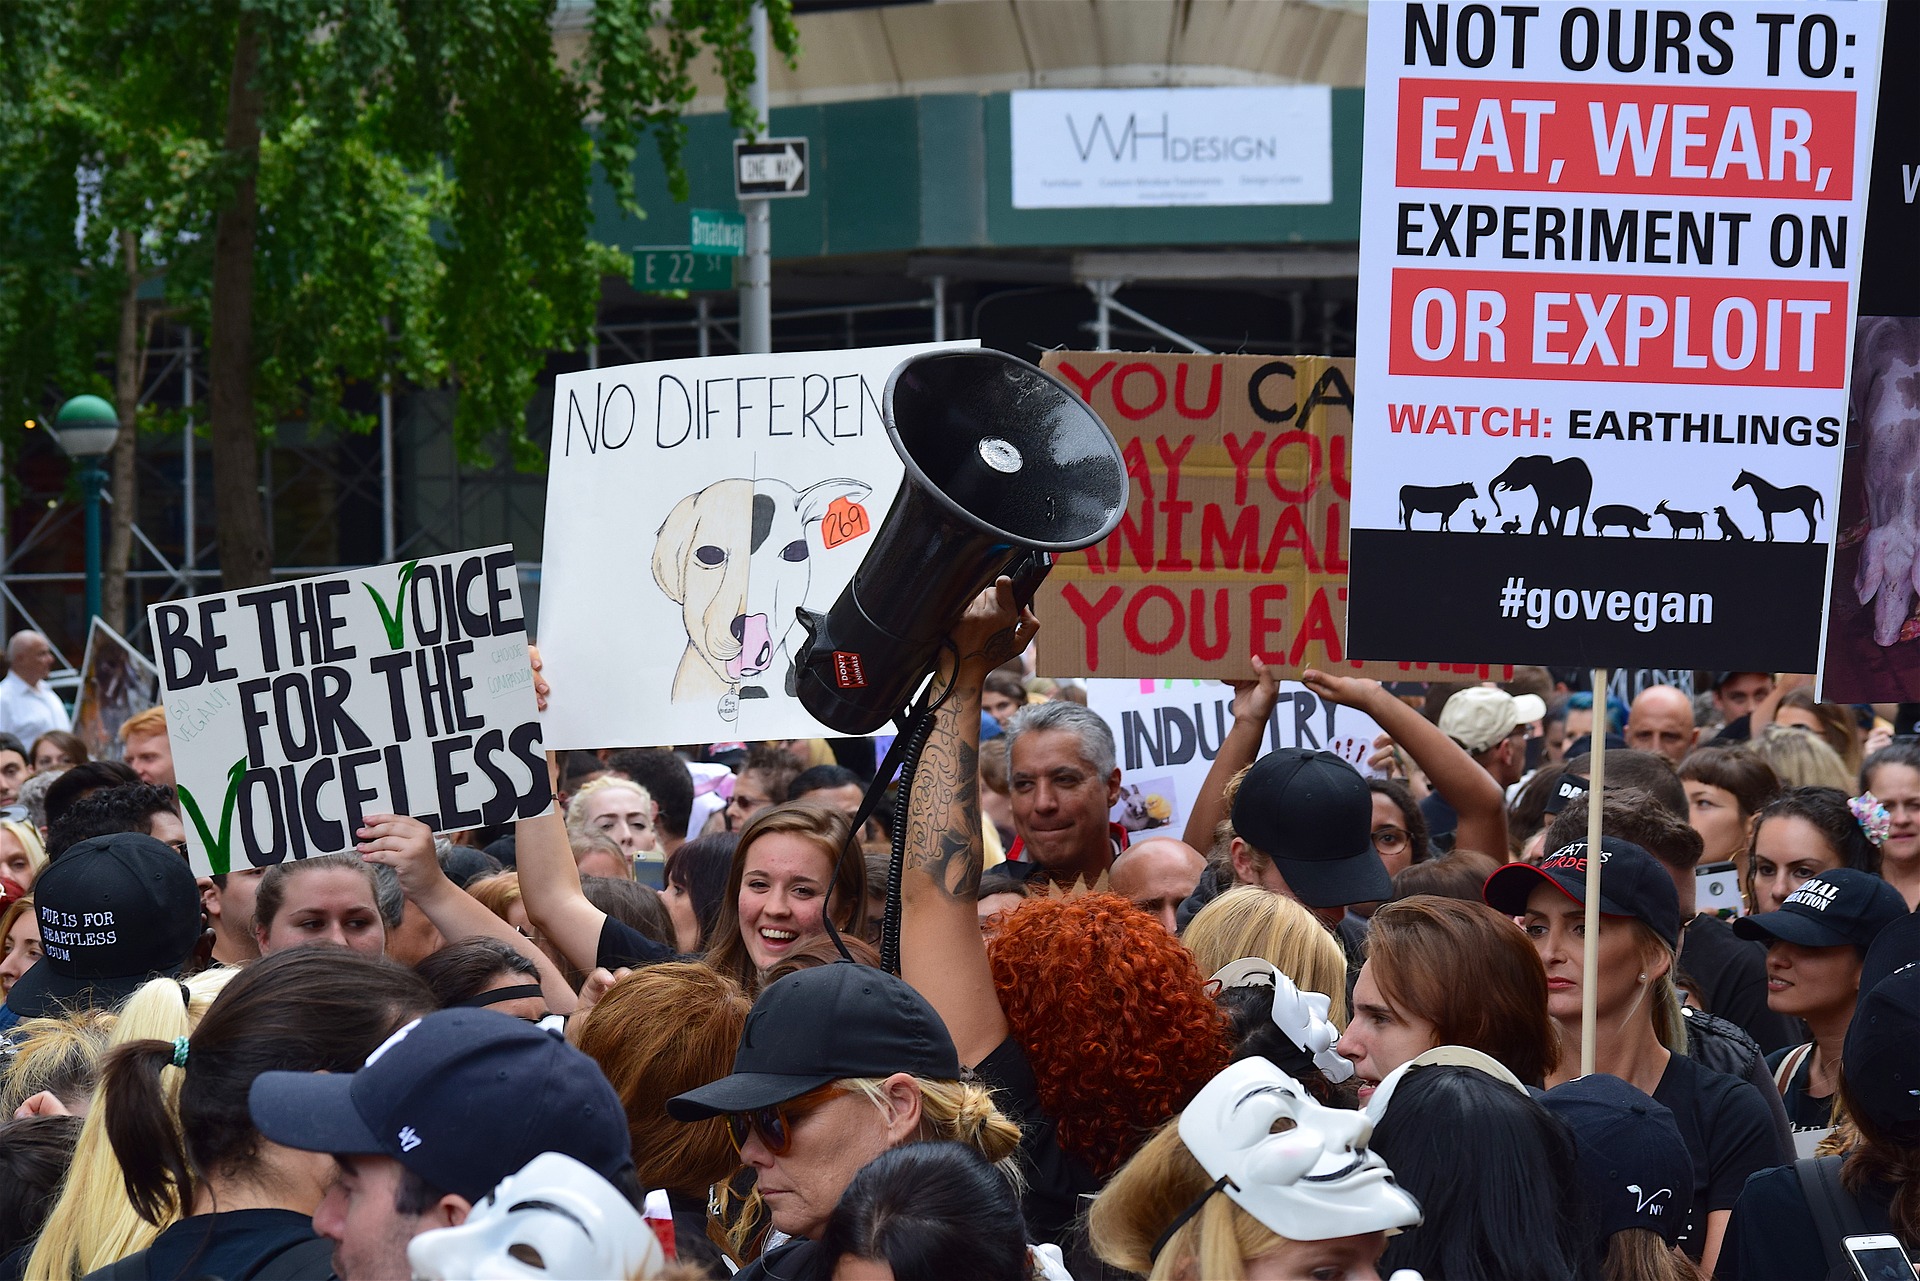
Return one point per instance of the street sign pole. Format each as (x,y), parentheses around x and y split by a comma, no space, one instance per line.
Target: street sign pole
(756,271)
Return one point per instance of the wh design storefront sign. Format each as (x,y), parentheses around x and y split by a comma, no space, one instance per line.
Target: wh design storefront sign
(1608,261)
(1138,148)
(295,709)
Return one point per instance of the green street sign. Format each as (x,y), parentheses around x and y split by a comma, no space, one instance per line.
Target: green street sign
(717,231)
(661,269)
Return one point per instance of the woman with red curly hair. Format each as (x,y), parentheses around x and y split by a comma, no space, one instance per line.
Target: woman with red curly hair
(1090,1022)
(1114,1016)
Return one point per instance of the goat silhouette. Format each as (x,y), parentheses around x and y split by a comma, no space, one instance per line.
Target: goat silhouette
(1682,521)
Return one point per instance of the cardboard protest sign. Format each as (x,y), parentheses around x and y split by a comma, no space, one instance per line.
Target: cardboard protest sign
(1169,731)
(297,708)
(116,680)
(1608,263)
(692,507)
(1235,538)
(1870,654)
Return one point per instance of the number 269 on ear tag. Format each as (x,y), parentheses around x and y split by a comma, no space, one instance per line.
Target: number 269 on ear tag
(845,521)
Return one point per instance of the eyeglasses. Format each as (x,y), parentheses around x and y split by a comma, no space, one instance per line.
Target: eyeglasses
(1390,840)
(774,1124)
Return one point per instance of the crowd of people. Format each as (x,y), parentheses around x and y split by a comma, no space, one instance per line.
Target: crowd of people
(1332,1030)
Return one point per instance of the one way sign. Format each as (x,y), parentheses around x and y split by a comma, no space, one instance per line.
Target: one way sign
(769,168)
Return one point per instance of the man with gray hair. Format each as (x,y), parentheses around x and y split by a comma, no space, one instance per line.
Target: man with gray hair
(28,708)
(1064,781)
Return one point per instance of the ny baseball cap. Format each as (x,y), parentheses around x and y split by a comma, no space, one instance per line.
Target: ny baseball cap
(114,911)
(1311,813)
(1837,908)
(1629,1153)
(822,1025)
(1479,717)
(462,1098)
(1632,884)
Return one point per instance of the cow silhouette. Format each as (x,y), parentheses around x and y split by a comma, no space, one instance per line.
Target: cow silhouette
(1561,488)
(1627,518)
(1437,500)
(1775,499)
(1679,520)
(1728,529)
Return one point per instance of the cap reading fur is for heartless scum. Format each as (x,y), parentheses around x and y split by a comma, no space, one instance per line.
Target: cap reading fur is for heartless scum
(462,1098)
(823,1025)
(1632,884)
(1312,814)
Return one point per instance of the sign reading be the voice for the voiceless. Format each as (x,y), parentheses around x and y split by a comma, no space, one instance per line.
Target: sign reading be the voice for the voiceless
(297,709)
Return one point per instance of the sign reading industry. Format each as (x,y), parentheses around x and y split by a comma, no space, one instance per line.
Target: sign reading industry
(1091,148)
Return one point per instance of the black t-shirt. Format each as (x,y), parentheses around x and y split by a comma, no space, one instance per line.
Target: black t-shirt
(622,945)
(1772,1235)
(788,1261)
(1728,976)
(1055,1177)
(233,1245)
(1804,1110)
(1729,1134)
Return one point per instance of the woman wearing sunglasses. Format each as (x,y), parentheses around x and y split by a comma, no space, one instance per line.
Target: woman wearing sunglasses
(838,1064)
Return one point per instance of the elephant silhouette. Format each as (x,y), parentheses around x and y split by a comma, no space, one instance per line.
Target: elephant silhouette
(1561,487)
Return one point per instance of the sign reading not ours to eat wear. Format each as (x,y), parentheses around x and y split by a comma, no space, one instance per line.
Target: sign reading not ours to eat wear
(297,708)
(1609,256)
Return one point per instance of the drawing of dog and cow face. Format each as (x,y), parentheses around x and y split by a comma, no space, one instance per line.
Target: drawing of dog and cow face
(737,558)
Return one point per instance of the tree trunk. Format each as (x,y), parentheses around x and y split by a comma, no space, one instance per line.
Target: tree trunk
(246,551)
(129,364)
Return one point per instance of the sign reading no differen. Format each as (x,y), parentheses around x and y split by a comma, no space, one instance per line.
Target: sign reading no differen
(771,168)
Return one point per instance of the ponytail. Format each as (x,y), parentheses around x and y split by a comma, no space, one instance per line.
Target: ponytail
(139,1092)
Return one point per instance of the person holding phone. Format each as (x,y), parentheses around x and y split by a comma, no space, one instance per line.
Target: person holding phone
(1833,1216)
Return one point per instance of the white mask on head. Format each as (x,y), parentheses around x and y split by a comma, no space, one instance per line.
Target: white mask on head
(1454,1055)
(1313,1181)
(1301,1015)
(555,1218)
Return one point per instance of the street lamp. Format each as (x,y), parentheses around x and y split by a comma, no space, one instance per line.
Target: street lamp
(86,428)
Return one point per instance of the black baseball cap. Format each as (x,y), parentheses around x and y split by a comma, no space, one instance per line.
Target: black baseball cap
(1629,1153)
(462,1098)
(1567,789)
(1838,908)
(1632,884)
(822,1025)
(1312,814)
(114,911)
(1882,1072)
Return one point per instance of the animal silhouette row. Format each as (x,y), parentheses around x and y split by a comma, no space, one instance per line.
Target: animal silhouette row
(1563,494)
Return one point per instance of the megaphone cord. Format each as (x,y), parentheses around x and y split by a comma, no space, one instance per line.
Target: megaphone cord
(916,726)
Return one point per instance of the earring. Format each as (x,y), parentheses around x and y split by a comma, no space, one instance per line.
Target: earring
(1643,977)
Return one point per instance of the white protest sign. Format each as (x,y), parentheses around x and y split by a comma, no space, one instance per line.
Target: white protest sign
(1142,148)
(692,507)
(297,708)
(1167,733)
(1609,256)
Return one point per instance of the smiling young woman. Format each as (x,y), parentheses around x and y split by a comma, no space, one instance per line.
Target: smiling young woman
(783,868)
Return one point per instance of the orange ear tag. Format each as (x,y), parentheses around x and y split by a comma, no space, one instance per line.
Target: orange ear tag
(845,521)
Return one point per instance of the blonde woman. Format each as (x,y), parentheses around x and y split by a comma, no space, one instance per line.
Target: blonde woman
(617,808)
(93,1223)
(1801,758)
(22,854)
(1249,921)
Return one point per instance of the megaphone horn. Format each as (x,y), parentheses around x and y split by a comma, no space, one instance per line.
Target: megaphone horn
(1005,467)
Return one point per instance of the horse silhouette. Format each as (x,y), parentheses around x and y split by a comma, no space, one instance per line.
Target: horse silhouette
(1775,499)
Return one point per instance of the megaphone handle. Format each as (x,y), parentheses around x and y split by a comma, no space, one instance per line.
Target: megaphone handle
(1027,574)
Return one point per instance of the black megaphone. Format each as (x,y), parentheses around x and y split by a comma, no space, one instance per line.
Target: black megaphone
(1005,466)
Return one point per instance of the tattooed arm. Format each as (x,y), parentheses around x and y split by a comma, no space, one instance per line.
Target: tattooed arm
(941,951)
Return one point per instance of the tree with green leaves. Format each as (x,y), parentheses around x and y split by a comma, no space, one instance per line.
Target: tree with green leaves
(334,192)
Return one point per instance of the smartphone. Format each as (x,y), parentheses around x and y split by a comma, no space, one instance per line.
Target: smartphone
(1716,889)
(1879,1258)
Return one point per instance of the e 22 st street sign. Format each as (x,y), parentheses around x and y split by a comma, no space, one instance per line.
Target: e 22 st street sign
(671,269)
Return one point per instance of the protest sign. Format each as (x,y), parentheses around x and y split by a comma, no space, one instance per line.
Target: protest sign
(1608,261)
(1168,732)
(297,708)
(116,680)
(1235,538)
(1870,655)
(748,486)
